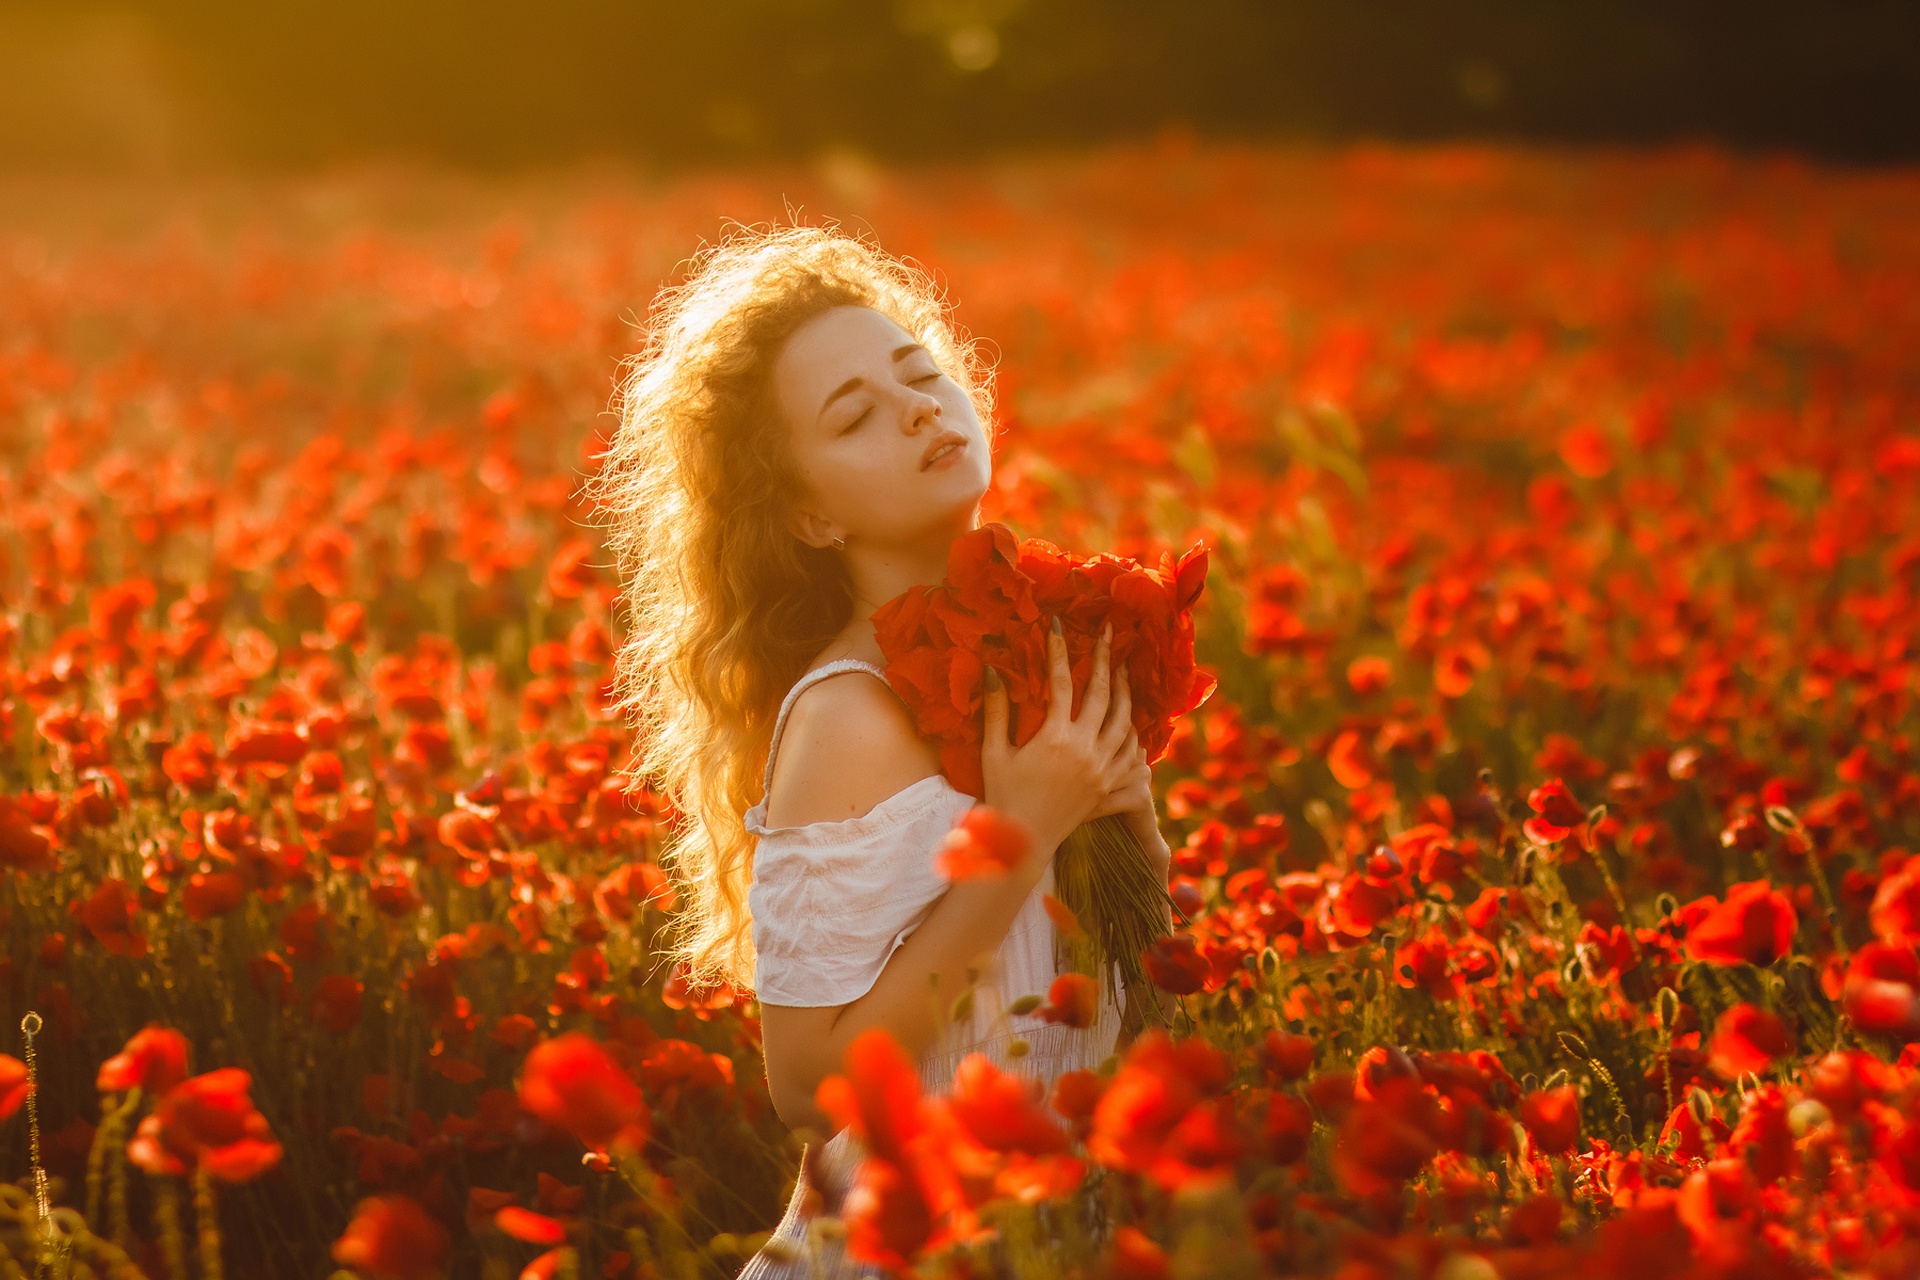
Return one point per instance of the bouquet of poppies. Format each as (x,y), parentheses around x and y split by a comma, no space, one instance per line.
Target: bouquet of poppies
(995,609)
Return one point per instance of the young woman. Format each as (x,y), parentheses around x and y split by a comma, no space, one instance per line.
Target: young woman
(802,439)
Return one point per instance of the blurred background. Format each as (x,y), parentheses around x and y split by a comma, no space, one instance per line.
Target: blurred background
(183,85)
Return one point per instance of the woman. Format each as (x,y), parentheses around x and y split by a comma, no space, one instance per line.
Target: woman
(801,440)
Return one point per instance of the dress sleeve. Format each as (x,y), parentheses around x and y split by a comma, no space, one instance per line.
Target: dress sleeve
(831,901)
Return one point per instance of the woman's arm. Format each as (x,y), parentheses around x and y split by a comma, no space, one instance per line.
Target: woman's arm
(1050,784)
(911,997)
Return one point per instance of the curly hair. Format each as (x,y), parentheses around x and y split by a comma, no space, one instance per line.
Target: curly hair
(725,606)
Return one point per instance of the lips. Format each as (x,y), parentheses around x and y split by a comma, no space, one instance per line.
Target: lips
(941,442)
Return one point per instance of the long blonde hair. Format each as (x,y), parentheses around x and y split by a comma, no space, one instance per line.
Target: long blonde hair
(725,606)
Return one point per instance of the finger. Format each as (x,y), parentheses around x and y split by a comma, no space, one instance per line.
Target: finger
(1059,679)
(1119,723)
(994,707)
(1093,708)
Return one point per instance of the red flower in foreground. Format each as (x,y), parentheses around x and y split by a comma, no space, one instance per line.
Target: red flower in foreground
(24,845)
(13,1085)
(1175,965)
(155,1059)
(1151,1119)
(1747,1039)
(529,1227)
(985,842)
(1755,925)
(1880,991)
(1558,813)
(206,1122)
(1073,1000)
(573,1083)
(1002,1110)
(1552,1116)
(393,1238)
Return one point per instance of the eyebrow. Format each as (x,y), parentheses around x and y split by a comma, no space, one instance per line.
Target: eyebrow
(899,354)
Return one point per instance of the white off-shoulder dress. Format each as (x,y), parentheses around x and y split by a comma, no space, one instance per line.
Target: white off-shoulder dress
(830,902)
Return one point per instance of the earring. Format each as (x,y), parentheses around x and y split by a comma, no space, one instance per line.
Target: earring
(840,542)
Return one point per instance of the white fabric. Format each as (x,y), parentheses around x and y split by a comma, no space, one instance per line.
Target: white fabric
(831,901)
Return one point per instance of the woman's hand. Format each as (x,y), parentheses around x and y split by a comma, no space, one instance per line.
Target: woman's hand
(1060,776)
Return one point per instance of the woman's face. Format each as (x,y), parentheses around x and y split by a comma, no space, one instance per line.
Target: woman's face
(888,445)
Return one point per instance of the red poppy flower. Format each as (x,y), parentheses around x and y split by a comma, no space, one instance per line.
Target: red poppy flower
(13,1085)
(1552,1116)
(336,1002)
(207,1122)
(887,1217)
(1287,1057)
(1881,991)
(529,1227)
(108,914)
(1557,812)
(993,608)
(393,1238)
(1175,965)
(1746,1039)
(1002,1110)
(1386,1140)
(24,844)
(155,1060)
(1073,1000)
(1896,905)
(573,1083)
(1158,1084)
(1755,925)
(213,894)
(985,842)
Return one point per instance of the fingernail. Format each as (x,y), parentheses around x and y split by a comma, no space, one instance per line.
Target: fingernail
(1056,625)
(993,680)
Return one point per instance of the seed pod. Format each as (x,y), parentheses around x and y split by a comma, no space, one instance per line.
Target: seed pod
(1025,1005)
(1666,1008)
(1807,1115)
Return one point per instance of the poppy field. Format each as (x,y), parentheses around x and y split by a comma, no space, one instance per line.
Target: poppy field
(1548,840)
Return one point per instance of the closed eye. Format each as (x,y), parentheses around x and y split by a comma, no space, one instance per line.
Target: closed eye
(856,422)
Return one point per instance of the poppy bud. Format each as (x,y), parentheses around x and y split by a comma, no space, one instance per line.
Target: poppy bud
(1807,1115)
(1701,1105)
(1782,819)
(1574,1045)
(1666,1008)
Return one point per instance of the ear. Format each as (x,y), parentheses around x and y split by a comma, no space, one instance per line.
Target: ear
(812,528)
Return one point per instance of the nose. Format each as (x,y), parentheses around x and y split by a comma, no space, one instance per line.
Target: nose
(922,409)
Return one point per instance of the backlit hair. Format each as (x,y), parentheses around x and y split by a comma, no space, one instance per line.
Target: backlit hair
(725,606)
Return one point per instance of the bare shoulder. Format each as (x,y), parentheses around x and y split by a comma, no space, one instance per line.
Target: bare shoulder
(848,744)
